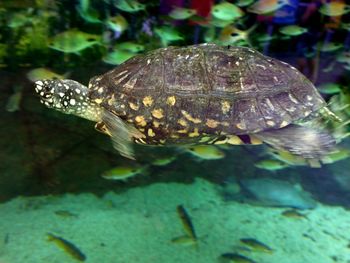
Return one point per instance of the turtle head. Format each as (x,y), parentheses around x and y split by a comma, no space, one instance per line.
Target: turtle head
(67,96)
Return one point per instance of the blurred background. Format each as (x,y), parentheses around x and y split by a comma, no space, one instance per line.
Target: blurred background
(43,151)
(62,181)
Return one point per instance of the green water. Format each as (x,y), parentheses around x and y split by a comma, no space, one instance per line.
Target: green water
(54,166)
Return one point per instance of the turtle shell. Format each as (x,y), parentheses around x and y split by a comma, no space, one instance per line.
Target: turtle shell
(206,89)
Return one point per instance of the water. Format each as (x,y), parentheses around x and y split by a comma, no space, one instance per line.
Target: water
(57,203)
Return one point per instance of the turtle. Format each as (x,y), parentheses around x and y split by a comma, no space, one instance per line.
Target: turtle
(199,94)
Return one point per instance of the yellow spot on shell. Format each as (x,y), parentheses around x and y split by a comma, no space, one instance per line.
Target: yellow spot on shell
(221,141)
(133,106)
(162,141)
(171,100)
(140,120)
(98,101)
(150,133)
(182,131)
(235,140)
(254,140)
(182,122)
(241,126)
(157,113)
(270,123)
(225,107)
(156,124)
(111,101)
(189,117)
(174,136)
(212,123)
(194,133)
(225,123)
(147,101)
(283,124)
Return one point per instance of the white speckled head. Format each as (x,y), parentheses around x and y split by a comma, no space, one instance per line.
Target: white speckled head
(67,96)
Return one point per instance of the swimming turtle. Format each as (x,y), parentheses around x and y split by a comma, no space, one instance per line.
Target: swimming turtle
(199,94)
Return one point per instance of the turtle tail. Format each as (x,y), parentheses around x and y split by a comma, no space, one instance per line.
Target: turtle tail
(299,140)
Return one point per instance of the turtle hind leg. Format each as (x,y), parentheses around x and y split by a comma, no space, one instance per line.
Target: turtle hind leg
(299,140)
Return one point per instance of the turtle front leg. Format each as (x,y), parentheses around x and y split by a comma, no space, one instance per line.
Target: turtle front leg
(121,133)
(300,140)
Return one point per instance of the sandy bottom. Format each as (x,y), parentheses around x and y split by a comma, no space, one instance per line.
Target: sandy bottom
(138,226)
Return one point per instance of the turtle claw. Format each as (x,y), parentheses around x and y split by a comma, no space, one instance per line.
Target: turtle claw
(101,127)
(328,114)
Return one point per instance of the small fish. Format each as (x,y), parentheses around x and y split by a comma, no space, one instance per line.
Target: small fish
(265,37)
(122,172)
(344,57)
(234,258)
(293,30)
(339,155)
(67,246)
(118,24)
(43,73)
(14,101)
(164,161)
(330,46)
(230,35)
(186,222)
(184,240)
(287,157)
(345,26)
(180,13)
(130,6)
(334,8)
(266,6)
(271,165)
(219,22)
(117,57)
(210,34)
(65,213)
(244,3)
(330,67)
(87,13)
(256,245)
(292,213)
(168,34)
(206,152)
(226,11)
(73,41)
(19,19)
(329,88)
(130,46)
(84,4)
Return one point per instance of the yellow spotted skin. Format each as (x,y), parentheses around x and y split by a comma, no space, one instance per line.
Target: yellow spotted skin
(200,94)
